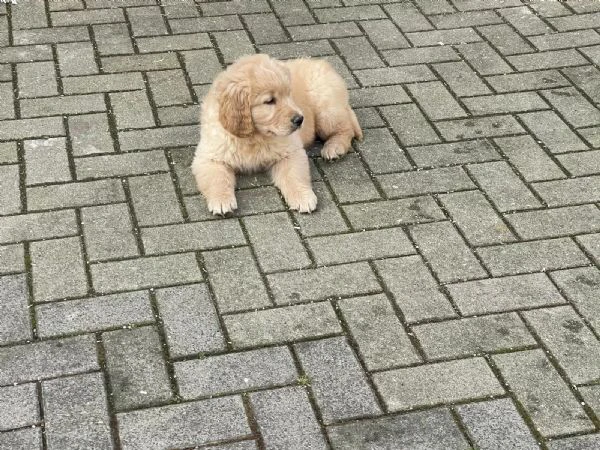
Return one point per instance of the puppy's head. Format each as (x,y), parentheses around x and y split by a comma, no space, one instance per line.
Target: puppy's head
(254,98)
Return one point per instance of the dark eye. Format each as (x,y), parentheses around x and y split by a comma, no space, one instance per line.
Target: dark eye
(270,101)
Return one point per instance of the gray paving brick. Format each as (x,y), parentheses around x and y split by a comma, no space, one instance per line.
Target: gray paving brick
(121,164)
(46,161)
(394,75)
(505,103)
(198,422)
(233,44)
(8,152)
(393,212)
(76,58)
(326,219)
(103,83)
(504,294)
(293,12)
(12,258)
(202,24)
(572,190)
(146,21)
(502,185)
(74,194)
(453,153)
(510,259)
(235,279)
(581,163)
(591,135)
(158,138)
(132,109)
(443,37)
(338,383)
(14,309)
(290,50)
(358,53)
(25,227)
(284,324)
(154,200)
(348,13)
(265,29)
(587,78)
(48,359)
(36,79)
(93,314)
(554,9)
(26,53)
(7,99)
(529,159)
(524,20)
(575,443)
(575,22)
(431,384)
(433,429)
(381,339)
(474,335)
(476,218)
(465,19)
(547,60)
(135,367)
(10,197)
(275,242)
(201,65)
(414,289)
(112,39)
(454,130)
(420,55)
(58,269)
(76,413)
(238,7)
(591,396)
(591,243)
(66,105)
(374,244)
(573,345)
(505,39)
(556,221)
(189,320)
(141,62)
(234,372)
(286,420)
(568,39)
(349,180)
(527,81)
(52,35)
(436,101)
(409,124)
(384,34)
(28,438)
(178,115)
(90,134)
(322,283)
(168,87)
(552,131)
(108,232)
(145,272)
(576,110)
(483,58)
(21,406)
(381,153)
(173,43)
(496,424)
(407,17)
(461,79)
(535,383)
(87,17)
(450,258)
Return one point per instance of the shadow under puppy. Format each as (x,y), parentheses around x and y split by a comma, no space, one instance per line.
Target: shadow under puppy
(260,114)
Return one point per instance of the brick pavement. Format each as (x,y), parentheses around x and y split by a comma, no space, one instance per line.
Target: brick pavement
(445,294)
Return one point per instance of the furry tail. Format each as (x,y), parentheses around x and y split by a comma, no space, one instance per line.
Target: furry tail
(358,134)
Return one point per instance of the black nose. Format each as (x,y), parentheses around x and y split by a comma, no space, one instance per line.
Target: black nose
(297,120)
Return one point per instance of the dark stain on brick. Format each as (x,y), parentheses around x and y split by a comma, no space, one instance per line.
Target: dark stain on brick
(587,281)
(573,325)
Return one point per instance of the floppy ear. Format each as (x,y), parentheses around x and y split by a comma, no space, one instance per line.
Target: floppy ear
(234,109)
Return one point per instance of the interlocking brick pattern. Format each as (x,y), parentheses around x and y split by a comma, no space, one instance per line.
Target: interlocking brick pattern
(446,294)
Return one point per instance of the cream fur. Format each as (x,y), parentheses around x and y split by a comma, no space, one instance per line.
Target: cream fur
(243,131)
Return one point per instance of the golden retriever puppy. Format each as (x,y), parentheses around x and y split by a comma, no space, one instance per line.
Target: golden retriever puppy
(260,114)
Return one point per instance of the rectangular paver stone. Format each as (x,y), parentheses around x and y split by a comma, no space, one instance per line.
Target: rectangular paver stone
(31,128)
(46,161)
(10,195)
(25,227)
(184,425)
(12,258)
(338,383)
(553,132)
(507,293)
(381,338)
(349,180)
(410,125)
(473,335)
(154,200)
(456,130)
(445,179)
(58,269)
(69,195)
(249,370)
(76,413)
(93,314)
(20,406)
(556,221)
(76,58)
(90,134)
(436,101)
(189,319)
(14,309)
(136,368)
(145,272)
(431,384)
(282,324)
(132,109)
(542,392)
(569,191)
(36,79)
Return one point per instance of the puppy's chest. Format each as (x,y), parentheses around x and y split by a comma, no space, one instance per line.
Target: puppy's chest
(257,157)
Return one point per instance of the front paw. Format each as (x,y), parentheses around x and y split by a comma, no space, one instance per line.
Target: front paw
(221,205)
(302,201)
(331,151)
